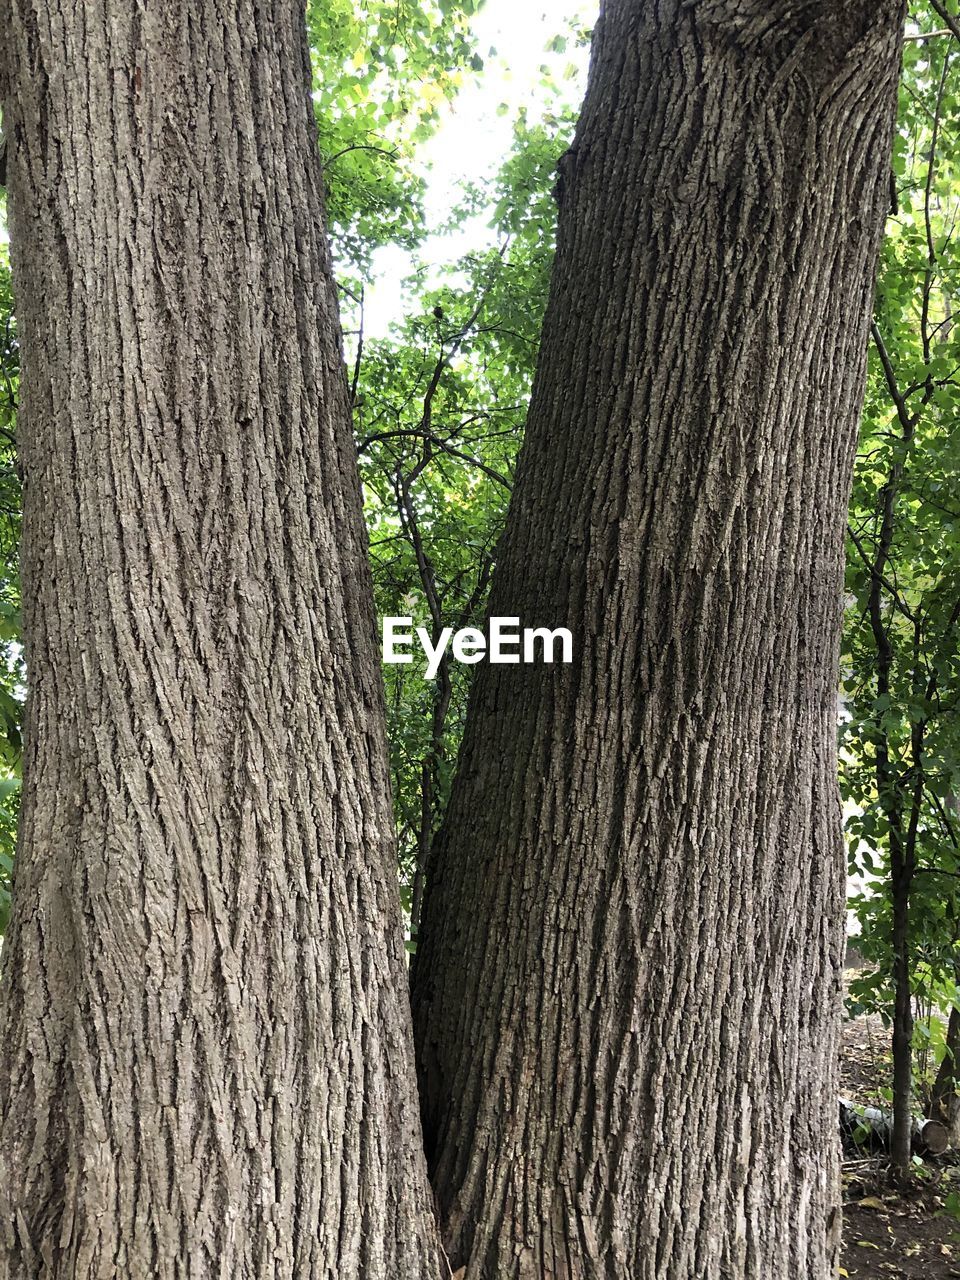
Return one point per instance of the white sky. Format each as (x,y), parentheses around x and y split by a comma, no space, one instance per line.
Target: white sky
(473,139)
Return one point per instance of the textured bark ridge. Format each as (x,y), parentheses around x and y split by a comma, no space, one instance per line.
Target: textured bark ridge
(206,1063)
(626,993)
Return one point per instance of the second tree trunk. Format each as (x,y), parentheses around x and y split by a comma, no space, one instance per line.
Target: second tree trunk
(627,988)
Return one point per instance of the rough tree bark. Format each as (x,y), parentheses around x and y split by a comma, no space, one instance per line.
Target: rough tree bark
(206,1064)
(626,995)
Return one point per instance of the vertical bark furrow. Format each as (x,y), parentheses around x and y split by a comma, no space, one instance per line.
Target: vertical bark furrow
(206,1062)
(626,988)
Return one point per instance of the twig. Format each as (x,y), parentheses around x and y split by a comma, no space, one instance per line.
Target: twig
(925,335)
(907,420)
(941,10)
(878,576)
(381,151)
(356,367)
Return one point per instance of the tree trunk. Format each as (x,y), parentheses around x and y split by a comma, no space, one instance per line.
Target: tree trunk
(901,833)
(945,1098)
(629,968)
(205,1051)
(945,1095)
(902,1036)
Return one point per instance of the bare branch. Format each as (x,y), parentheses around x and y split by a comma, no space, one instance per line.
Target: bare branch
(878,577)
(380,151)
(907,420)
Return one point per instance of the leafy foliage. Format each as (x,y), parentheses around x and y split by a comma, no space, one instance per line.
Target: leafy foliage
(382,70)
(439,411)
(900,735)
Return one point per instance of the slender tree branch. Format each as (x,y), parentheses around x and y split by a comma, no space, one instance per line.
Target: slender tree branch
(942,12)
(925,335)
(878,576)
(356,366)
(391,154)
(908,421)
(947,824)
(443,445)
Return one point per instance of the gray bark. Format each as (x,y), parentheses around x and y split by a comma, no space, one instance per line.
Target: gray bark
(206,1066)
(626,995)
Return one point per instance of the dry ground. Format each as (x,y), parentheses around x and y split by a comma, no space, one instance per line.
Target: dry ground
(887,1234)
